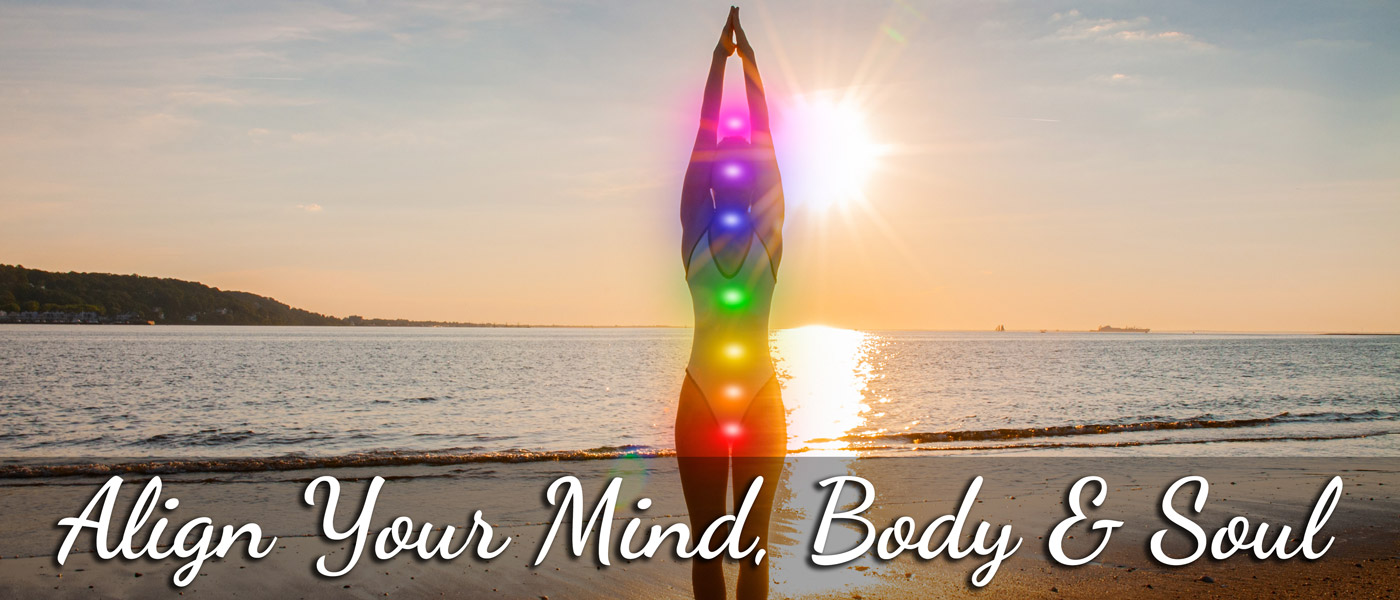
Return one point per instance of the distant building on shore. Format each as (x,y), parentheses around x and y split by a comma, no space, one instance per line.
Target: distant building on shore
(1112,329)
(54,317)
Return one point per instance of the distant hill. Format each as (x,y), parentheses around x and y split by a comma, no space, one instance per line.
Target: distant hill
(30,295)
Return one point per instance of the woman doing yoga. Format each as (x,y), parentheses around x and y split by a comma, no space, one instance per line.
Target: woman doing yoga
(731,412)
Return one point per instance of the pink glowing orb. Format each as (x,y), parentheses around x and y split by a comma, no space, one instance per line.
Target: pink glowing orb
(732,429)
(733,170)
(734,123)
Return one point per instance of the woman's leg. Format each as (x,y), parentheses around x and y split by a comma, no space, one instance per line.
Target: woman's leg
(703,457)
(759,454)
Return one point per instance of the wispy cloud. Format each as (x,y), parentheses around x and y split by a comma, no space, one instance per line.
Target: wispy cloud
(1074,26)
(1120,79)
(311,208)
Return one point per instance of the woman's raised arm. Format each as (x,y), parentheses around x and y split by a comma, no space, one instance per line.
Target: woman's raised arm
(753,88)
(696,204)
(767,209)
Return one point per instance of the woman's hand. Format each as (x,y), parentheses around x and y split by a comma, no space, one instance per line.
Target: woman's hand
(745,50)
(726,44)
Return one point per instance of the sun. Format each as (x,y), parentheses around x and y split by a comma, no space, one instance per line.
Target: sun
(830,152)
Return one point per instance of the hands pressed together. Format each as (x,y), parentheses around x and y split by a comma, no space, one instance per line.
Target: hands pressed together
(733,38)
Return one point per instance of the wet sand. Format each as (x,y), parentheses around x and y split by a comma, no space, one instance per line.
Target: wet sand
(1026,493)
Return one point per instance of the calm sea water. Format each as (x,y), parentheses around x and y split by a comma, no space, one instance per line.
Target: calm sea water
(116,393)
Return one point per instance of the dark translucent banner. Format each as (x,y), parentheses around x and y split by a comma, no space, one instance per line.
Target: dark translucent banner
(901,527)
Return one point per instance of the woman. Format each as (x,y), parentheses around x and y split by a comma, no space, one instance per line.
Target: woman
(730,411)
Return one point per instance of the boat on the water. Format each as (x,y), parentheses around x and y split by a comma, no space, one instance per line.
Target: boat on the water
(1112,329)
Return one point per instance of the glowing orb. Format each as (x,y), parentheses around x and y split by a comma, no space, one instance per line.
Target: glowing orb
(731,219)
(732,297)
(734,351)
(732,429)
(733,391)
(733,170)
(734,123)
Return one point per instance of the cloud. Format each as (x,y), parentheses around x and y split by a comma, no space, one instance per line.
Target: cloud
(1074,26)
(311,208)
(1119,79)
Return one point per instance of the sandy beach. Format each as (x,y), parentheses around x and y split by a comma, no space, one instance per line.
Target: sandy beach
(1026,493)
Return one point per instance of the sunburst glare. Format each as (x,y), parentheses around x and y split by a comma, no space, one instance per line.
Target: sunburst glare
(829,154)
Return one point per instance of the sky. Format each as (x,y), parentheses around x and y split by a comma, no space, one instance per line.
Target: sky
(1038,165)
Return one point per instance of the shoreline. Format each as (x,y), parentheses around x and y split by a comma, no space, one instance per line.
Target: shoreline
(1342,436)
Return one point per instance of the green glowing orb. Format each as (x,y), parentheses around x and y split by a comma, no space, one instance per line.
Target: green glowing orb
(732,297)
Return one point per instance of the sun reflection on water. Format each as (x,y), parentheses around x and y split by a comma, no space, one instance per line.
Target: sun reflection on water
(824,372)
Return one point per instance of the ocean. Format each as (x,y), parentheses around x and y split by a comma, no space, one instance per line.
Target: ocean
(247,398)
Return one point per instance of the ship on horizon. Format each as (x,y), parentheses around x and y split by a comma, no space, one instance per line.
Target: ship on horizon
(1112,329)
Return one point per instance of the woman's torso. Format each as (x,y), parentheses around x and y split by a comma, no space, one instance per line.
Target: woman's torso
(729,358)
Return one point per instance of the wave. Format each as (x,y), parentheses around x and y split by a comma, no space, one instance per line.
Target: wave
(294,463)
(446,458)
(1150,424)
(1160,442)
(222,437)
(418,400)
(969,440)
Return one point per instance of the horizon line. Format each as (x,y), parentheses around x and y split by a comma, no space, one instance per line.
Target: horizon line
(474,325)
